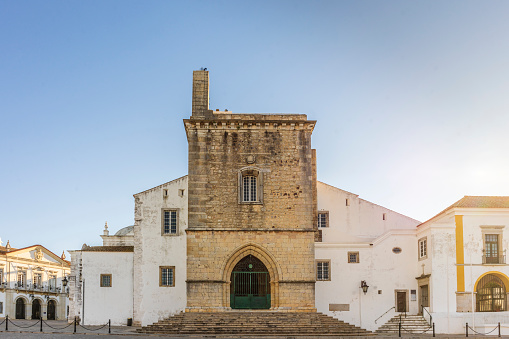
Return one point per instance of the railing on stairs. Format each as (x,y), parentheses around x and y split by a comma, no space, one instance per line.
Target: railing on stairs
(423,315)
(393,307)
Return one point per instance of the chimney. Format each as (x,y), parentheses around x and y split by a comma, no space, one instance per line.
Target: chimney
(200,93)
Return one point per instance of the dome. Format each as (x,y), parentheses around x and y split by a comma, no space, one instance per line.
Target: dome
(125,231)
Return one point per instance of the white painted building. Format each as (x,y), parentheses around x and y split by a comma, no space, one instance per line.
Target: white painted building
(31,284)
(371,263)
(362,241)
(406,264)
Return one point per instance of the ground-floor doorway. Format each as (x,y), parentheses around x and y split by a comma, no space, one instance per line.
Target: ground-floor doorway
(250,285)
(36,309)
(401,301)
(51,310)
(20,308)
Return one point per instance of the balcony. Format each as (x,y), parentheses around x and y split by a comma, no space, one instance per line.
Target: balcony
(493,259)
(31,288)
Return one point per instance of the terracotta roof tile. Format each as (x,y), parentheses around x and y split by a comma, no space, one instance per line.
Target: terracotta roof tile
(108,249)
(477,202)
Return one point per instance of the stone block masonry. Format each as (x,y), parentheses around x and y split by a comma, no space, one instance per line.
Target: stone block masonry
(277,226)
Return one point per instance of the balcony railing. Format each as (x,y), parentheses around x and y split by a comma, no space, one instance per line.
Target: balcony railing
(490,259)
(31,287)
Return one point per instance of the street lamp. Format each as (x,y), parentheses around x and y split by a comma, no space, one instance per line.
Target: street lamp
(364,286)
(64,281)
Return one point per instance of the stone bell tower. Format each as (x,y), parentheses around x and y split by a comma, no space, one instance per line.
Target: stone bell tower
(252,208)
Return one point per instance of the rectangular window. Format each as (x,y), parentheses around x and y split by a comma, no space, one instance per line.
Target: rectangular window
(37,280)
(1,307)
(169,222)
(423,248)
(323,219)
(52,281)
(491,248)
(323,270)
(1,276)
(167,276)
(249,188)
(21,279)
(353,257)
(105,280)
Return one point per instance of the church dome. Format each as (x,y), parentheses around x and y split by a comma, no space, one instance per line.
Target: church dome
(129,230)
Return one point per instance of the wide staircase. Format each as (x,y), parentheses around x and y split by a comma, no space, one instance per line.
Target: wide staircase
(257,323)
(409,324)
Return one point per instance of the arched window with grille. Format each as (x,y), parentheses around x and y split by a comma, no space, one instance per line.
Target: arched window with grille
(491,294)
(250,186)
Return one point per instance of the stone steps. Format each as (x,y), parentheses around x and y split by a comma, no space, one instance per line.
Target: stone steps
(257,323)
(409,324)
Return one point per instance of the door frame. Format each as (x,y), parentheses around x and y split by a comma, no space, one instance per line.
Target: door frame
(23,309)
(54,314)
(251,297)
(422,281)
(34,310)
(407,303)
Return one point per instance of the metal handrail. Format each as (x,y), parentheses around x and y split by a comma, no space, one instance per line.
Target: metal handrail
(385,313)
(430,316)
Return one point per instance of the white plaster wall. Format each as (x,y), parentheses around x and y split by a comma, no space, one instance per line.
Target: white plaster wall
(104,303)
(443,282)
(116,240)
(473,245)
(380,267)
(443,279)
(153,250)
(361,221)
(2,300)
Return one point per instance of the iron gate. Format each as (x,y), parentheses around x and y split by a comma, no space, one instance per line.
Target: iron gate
(491,294)
(250,290)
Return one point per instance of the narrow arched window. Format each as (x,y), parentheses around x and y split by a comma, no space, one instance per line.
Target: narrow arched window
(250,186)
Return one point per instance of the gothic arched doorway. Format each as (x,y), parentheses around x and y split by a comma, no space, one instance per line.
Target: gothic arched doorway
(20,308)
(491,294)
(250,284)
(36,309)
(51,310)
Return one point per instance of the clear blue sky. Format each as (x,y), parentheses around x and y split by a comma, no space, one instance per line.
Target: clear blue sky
(411,99)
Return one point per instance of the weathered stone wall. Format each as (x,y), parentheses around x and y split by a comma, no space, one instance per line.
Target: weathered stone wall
(218,150)
(279,230)
(213,254)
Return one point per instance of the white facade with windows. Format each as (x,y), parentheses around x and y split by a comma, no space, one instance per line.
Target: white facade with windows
(406,264)
(31,283)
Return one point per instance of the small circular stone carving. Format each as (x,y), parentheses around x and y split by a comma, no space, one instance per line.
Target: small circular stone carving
(396,250)
(250,159)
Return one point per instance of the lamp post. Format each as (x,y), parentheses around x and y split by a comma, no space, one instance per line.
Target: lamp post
(64,281)
(364,288)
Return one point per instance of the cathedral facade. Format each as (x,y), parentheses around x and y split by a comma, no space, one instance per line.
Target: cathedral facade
(251,228)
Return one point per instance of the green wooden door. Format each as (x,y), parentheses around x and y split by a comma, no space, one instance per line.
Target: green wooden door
(251,290)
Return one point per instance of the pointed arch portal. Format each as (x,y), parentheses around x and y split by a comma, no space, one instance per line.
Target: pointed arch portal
(250,284)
